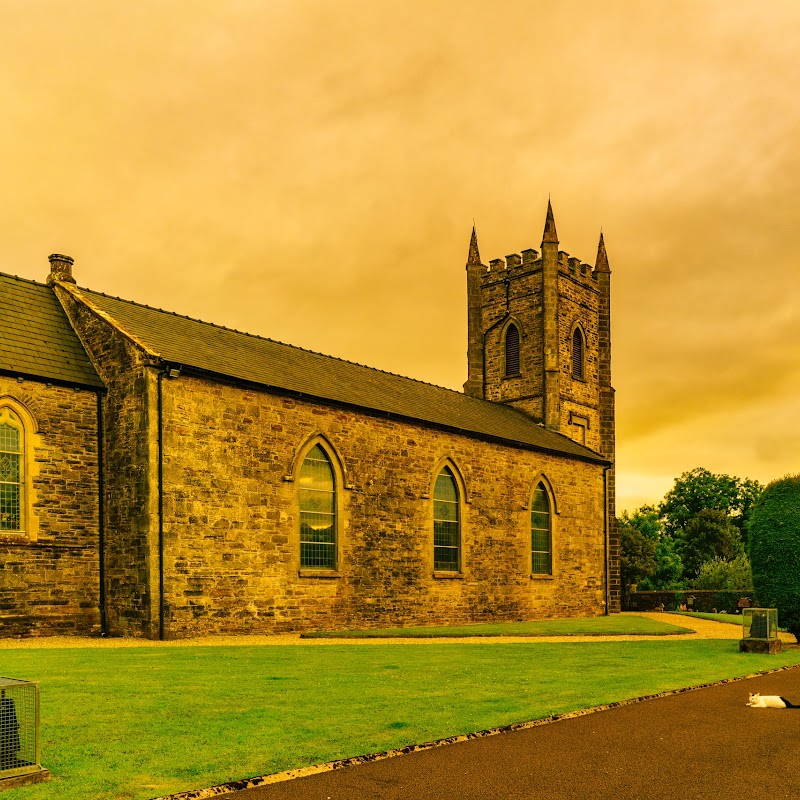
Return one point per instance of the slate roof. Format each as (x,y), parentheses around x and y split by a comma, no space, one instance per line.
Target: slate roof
(36,339)
(257,360)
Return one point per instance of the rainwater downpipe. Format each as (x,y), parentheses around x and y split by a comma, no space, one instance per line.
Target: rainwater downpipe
(160,406)
(605,538)
(101,546)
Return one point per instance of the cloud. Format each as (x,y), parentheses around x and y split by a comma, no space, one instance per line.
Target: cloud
(310,171)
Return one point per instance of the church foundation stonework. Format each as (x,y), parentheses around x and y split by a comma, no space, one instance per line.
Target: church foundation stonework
(246,486)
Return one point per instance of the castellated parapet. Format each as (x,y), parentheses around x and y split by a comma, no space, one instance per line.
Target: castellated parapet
(529,259)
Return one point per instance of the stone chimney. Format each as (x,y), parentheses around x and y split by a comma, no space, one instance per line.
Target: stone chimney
(60,269)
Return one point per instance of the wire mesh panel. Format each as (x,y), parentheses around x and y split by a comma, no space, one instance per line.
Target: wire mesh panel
(759,623)
(19,727)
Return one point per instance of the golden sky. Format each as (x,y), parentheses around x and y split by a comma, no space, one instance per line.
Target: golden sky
(310,171)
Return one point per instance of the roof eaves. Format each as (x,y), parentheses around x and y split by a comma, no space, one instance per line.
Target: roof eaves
(38,378)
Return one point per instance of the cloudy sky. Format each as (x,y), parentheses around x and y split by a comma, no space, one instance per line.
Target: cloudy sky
(309,170)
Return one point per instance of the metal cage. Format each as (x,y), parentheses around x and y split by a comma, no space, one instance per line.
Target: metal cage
(760,623)
(19,728)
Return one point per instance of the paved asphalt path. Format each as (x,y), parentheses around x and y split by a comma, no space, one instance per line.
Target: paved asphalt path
(691,746)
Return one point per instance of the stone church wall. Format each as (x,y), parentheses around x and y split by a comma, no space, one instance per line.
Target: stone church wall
(129,409)
(231,528)
(49,576)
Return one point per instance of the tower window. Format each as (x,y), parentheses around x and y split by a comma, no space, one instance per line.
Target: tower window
(512,350)
(446,523)
(541,533)
(317,511)
(578,348)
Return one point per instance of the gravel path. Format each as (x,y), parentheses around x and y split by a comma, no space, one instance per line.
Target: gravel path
(704,629)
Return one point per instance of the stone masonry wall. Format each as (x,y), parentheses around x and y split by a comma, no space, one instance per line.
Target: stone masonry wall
(131,576)
(514,290)
(49,580)
(578,303)
(231,520)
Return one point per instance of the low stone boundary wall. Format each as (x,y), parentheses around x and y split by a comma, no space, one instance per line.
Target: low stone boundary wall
(707,600)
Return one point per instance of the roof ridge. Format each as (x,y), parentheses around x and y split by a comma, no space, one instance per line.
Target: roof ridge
(274,341)
(23,280)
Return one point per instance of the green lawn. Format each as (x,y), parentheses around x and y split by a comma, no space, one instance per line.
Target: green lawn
(142,722)
(589,626)
(733,619)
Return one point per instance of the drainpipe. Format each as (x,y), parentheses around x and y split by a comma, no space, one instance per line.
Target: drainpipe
(101,547)
(160,506)
(605,539)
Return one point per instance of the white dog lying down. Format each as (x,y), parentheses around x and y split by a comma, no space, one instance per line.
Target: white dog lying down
(769,701)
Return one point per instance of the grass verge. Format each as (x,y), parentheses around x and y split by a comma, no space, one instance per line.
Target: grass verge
(732,619)
(144,722)
(617,625)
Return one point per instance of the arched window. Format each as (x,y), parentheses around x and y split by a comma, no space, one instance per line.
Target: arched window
(541,533)
(317,511)
(512,350)
(12,475)
(446,523)
(578,348)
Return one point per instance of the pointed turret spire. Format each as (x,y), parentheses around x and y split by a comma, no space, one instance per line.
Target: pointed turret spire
(474,257)
(550,234)
(601,264)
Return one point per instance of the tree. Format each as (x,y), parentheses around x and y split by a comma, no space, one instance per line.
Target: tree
(669,567)
(775,548)
(700,490)
(637,554)
(709,534)
(668,573)
(731,576)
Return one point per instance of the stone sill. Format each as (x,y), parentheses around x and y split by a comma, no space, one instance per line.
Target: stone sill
(537,577)
(448,576)
(319,573)
(17,537)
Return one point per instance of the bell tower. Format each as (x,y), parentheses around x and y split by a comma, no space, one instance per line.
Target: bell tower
(539,337)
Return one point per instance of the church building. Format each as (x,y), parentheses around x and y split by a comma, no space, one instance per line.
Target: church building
(164,477)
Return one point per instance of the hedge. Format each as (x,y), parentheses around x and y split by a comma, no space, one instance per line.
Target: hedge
(775,551)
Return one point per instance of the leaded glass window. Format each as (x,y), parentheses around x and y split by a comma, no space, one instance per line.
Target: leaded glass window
(317,511)
(446,523)
(512,350)
(11,477)
(541,539)
(577,354)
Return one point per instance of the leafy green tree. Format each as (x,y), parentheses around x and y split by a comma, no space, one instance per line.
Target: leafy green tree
(732,576)
(637,554)
(709,534)
(701,490)
(645,519)
(669,567)
(775,550)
